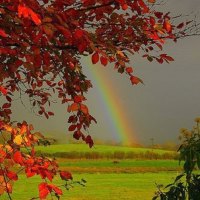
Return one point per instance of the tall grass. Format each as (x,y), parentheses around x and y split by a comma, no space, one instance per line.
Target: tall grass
(77,151)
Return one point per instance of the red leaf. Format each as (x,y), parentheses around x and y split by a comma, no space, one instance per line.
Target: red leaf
(3,33)
(72,127)
(43,190)
(129,70)
(95,58)
(152,21)
(57,190)
(151,1)
(167,26)
(50,113)
(17,157)
(160,60)
(166,57)
(77,135)
(89,141)
(169,58)
(135,80)
(78,33)
(28,13)
(6,105)
(104,60)
(72,119)
(35,18)
(79,98)
(124,6)
(12,175)
(158,14)
(65,175)
(29,172)
(8,98)
(144,6)
(3,90)
(180,25)
(2,155)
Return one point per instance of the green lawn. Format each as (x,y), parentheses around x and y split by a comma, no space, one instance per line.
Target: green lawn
(138,186)
(120,163)
(107,179)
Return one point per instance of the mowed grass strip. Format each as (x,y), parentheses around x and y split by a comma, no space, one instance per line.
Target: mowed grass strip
(118,166)
(139,186)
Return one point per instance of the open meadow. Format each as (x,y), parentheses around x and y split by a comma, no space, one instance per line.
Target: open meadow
(107,178)
(101,186)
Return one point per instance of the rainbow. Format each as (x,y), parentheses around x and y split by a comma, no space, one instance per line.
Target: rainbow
(120,122)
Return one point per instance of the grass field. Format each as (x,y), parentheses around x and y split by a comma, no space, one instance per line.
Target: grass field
(107,179)
(138,186)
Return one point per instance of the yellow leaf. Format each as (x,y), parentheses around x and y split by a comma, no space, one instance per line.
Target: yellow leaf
(18,140)
(8,128)
(159,28)
(120,53)
(8,148)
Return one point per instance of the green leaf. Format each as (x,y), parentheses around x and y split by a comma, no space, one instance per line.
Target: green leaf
(178,177)
(198,159)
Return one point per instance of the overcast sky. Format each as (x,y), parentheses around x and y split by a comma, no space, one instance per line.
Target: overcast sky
(169,100)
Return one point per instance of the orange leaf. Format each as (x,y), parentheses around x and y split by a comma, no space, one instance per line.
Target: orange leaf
(84,109)
(73,107)
(167,26)
(8,128)
(2,185)
(23,129)
(135,80)
(79,98)
(151,1)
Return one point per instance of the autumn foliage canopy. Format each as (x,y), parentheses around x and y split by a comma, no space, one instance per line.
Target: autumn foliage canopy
(41,44)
